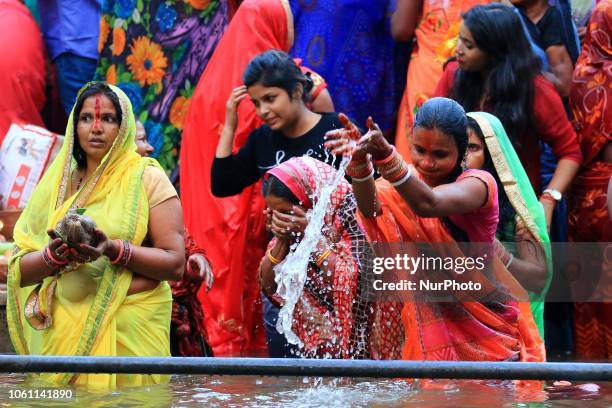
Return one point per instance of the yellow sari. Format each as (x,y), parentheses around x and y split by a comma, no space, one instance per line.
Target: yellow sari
(86,311)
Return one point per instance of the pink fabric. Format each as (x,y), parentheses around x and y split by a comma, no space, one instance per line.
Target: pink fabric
(480,225)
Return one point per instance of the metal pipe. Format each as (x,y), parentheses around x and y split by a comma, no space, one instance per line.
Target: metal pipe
(308,367)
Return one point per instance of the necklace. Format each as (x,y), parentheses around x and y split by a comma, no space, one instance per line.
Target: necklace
(79,182)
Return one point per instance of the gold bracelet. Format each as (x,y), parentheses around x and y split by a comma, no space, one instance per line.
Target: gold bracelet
(323,257)
(272,258)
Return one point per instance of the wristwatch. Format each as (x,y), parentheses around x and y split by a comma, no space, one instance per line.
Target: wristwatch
(555,194)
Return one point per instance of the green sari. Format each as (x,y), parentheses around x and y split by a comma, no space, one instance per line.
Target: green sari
(516,184)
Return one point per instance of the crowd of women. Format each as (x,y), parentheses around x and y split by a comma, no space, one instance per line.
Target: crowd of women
(491,92)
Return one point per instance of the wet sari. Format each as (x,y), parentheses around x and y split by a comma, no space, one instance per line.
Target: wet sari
(436,39)
(331,315)
(156,51)
(518,189)
(86,311)
(589,221)
(501,329)
(231,230)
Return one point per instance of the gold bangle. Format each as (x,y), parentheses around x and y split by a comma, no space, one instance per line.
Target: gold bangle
(272,258)
(323,257)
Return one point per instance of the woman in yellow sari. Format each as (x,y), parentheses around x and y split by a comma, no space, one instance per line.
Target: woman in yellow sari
(111,299)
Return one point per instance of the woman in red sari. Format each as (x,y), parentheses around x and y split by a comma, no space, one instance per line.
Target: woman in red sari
(330,318)
(231,230)
(589,221)
(437,202)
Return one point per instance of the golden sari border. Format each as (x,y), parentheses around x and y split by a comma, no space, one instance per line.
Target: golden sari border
(506,176)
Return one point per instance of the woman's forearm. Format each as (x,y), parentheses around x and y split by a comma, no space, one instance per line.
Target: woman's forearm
(563,175)
(367,197)
(226,142)
(154,263)
(278,252)
(33,268)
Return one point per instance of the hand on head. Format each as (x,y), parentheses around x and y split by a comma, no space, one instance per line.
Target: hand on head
(231,107)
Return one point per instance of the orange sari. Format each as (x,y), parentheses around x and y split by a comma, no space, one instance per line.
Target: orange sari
(460,330)
(436,40)
(589,221)
(233,316)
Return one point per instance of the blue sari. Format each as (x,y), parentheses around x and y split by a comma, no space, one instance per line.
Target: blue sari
(349,43)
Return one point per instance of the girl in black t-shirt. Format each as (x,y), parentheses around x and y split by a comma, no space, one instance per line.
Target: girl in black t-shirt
(279,90)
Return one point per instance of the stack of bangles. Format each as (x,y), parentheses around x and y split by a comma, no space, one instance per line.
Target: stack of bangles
(360,170)
(125,253)
(393,168)
(51,261)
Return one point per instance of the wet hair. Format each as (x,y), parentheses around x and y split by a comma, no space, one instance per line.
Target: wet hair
(276,68)
(96,88)
(498,32)
(273,186)
(448,117)
(506,210)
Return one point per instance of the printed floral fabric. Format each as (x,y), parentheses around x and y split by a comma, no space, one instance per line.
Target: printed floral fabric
(155,51)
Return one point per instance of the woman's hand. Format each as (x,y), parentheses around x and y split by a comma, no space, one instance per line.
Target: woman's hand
(199,264)
(231,107)
(289,226)
(344,141)
(374,142)
(59,248)
(87,253)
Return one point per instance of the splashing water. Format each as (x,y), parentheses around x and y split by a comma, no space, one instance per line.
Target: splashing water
(291,274)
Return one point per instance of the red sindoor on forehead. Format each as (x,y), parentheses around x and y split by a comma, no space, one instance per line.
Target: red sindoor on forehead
(98,111)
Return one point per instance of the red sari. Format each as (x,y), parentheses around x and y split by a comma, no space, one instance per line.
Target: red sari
(589,221)
(22,68)
(233,317)
(330,317)
(460,330)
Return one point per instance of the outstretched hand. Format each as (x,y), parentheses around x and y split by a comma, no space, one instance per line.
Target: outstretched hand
(343,142)
(374,142)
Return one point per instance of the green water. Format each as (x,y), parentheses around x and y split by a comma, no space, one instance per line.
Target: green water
(246,391)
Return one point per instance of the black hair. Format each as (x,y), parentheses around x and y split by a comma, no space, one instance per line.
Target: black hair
(509,83)
(274,186)
(96,88)
(449,117)
(276,68)
(506,210)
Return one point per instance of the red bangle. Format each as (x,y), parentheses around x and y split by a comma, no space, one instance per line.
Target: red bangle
(116,260)
(54,259)
(387,159)
(548,197)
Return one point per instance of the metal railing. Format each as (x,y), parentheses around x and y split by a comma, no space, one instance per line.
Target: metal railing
(308,367)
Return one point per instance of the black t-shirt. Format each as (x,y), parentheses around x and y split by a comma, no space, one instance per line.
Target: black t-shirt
(266,149)
(547,32)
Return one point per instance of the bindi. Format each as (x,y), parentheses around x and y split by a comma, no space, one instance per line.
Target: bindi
(98,110)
